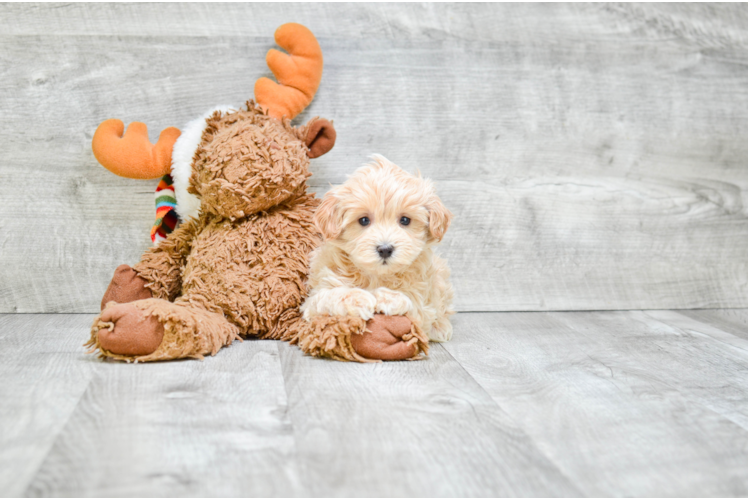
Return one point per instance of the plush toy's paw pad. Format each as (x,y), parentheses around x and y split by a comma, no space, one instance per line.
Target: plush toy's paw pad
(391,303)
(133,333)
(126,286)
(385,338)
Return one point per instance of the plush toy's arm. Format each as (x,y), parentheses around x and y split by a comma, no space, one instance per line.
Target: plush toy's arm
(162,265)
(350,338)
(339,323)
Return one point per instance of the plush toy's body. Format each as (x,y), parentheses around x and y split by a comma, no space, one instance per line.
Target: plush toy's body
(237,265)
(227,273)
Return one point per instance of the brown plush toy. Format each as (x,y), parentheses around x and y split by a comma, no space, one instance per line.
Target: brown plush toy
(238,263)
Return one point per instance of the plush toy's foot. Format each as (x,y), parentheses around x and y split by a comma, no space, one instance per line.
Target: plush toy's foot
(131,333)
(158,330)
(349,338)
(383,339)
(126,286)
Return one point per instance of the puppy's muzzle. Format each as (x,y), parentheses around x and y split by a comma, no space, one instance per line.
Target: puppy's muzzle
(385,251)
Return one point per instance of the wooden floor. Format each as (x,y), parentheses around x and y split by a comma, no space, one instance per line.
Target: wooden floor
(651,403)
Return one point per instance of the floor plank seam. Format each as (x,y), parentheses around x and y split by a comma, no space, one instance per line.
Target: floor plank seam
(675,389)
(289,417)
(52,442)
(518,425)
(738,340)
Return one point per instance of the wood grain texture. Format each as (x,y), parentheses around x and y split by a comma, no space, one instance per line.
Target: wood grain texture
(593,155)
(733,321)
(715,24)
(626,403)
(216,427)
(519,404)
(43,375)
(408,429)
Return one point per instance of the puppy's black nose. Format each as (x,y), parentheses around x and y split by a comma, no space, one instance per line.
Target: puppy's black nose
(385,251)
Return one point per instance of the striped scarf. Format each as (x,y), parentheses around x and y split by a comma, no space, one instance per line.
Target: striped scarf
(166,214)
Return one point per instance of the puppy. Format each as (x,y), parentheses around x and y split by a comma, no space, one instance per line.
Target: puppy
(380,227)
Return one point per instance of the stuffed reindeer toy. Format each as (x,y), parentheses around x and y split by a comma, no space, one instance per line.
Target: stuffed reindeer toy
(237,263)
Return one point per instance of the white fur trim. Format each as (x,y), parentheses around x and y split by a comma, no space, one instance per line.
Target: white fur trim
(188,205)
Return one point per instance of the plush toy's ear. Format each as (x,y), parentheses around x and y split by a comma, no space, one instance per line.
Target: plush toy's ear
(327,216)
(320,137)
(439,218)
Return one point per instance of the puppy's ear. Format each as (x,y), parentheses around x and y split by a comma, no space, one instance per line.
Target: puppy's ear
(439,218)
(327,217)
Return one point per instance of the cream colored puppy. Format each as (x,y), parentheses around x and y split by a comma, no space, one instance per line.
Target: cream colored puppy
(380,227)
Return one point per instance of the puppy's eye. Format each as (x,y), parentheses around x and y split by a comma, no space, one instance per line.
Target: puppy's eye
(364,221)
(404,221)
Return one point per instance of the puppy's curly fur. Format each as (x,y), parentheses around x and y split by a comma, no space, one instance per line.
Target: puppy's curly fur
(380,227)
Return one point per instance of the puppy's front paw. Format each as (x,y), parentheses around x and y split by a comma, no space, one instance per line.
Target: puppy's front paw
(341,302)
(441,331)
(357,302)
(391,303)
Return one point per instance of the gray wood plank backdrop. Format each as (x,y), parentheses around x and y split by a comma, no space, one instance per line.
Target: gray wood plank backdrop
(594,155)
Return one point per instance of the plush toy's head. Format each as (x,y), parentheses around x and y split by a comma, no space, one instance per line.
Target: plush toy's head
(249,161)
(238,162)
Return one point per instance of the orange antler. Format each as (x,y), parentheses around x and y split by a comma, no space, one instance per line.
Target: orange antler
(133,155)
(298,72)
